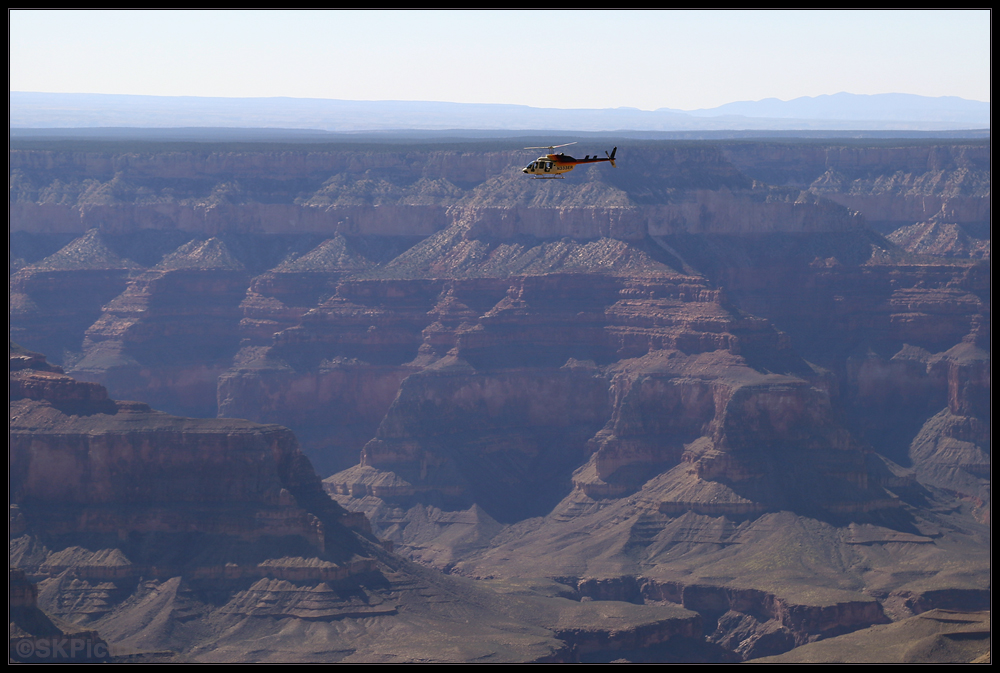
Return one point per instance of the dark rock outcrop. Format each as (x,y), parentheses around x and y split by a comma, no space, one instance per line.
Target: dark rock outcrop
(35,637)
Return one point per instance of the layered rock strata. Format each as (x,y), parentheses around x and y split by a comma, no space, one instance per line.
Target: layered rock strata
(35,637)
(599,380)
(171,330)
(922,177)
(185,539)
(85,467)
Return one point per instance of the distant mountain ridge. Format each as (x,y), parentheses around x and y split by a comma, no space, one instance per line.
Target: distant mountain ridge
(843,111)
(849,106)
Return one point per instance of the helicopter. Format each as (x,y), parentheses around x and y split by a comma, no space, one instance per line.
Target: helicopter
(552,166)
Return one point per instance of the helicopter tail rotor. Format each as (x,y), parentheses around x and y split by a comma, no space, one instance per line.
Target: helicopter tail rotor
(611,157)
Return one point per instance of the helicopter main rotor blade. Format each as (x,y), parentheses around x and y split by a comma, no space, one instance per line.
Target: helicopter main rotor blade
(550,147)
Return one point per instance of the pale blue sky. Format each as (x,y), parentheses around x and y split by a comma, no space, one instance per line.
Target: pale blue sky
(565,59)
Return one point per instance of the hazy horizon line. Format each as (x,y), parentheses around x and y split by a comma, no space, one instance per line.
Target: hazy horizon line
(447,102)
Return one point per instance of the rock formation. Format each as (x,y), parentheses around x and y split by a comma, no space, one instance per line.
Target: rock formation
(35,637)
(85,466)
(750,379)
(177,537)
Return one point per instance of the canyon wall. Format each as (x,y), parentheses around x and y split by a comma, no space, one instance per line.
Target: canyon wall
(712,352)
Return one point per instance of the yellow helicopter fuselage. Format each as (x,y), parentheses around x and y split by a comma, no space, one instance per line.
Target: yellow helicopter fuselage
(555,165)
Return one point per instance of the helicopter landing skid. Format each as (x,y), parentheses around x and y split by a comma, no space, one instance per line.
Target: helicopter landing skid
(549,177)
